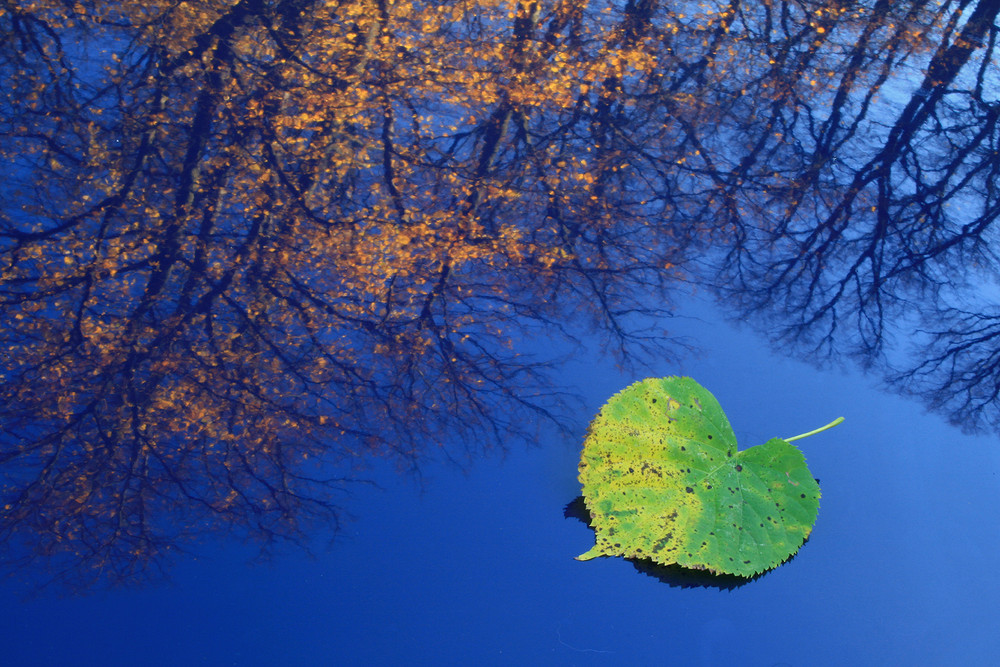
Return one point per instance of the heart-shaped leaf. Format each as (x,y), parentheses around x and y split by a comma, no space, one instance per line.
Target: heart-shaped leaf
(663,480)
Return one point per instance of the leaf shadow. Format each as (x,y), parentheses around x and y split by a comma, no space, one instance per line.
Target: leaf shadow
(673,575)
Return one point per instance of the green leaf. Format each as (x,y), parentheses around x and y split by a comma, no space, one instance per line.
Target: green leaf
(663,480)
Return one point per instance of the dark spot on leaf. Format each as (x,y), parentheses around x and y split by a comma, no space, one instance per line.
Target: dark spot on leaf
(689,489)
(802,495)
(709,437)
(739,468)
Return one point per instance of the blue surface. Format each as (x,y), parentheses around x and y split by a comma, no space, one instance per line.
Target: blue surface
(478,568)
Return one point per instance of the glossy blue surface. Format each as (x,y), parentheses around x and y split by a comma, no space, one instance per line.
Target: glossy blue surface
(477,567)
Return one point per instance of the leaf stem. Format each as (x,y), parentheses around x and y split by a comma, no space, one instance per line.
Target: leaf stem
(815,431)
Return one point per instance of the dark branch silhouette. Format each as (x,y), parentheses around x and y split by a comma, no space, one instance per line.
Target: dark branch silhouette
(247,246)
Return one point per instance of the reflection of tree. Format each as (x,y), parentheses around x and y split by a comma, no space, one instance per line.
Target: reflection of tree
(252,238)
(249,240)
(958,372)
(872,203)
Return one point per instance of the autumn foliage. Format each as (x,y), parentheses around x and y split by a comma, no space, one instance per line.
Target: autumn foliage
(246,245)
(241,238)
